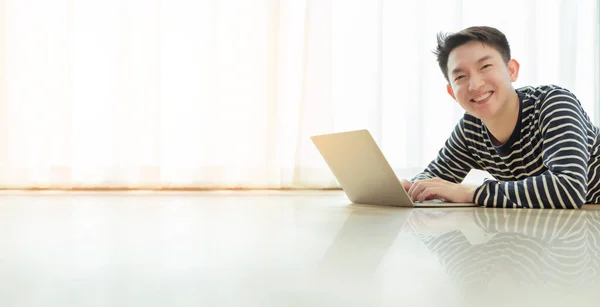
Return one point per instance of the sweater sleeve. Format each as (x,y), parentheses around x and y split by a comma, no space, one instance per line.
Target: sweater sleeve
(565,154)
(453,161)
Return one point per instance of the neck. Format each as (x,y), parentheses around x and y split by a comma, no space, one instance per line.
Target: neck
(501,126)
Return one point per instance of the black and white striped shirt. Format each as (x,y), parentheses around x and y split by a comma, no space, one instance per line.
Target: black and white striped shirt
(552,159)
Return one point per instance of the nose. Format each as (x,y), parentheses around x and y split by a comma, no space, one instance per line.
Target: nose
(475,83)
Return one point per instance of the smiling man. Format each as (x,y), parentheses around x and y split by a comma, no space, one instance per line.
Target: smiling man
(537,142)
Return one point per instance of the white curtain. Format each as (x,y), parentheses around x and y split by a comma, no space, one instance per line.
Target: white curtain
(225,93)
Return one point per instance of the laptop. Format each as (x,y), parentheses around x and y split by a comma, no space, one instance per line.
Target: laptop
(364,173)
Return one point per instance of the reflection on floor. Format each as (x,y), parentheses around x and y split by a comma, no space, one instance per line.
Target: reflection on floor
(288,249)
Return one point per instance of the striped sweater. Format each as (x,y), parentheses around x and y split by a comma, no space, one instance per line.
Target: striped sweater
(552,159)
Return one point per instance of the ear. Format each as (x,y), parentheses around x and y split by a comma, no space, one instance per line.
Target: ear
(450,91)
(513,70)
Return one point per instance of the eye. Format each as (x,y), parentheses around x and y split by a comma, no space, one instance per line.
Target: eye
(486,66)
(459,77)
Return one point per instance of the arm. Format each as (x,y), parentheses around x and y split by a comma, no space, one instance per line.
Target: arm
(564,153)
(453,162)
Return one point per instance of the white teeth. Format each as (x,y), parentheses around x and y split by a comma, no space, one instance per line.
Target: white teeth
(482,97)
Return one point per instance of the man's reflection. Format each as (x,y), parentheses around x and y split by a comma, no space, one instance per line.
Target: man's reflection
(491,249)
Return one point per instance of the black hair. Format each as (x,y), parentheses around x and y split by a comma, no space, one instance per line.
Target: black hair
(446,42)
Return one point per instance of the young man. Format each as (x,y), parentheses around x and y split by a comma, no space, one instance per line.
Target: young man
(537,142)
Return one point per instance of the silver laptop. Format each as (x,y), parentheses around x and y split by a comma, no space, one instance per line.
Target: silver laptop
(363,172)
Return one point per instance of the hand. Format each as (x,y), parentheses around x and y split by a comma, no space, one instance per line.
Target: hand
(441,189)
(407,184)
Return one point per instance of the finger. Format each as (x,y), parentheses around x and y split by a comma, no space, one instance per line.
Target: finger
(423,195)
(428,192)
(406,184)
(433,190)
(417,189)
(411,189)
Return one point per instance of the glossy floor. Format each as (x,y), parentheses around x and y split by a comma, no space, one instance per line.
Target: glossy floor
(288,249)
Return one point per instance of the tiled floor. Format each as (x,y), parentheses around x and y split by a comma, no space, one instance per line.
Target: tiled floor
(288,249)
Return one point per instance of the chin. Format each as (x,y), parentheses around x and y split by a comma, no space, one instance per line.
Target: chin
(484,113)
(484,116)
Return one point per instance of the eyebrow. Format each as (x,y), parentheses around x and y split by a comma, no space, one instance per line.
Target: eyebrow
(485,58)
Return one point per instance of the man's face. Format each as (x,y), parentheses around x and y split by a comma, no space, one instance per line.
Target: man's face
(480,80)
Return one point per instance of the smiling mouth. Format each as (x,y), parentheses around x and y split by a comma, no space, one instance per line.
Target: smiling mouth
(483,97)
